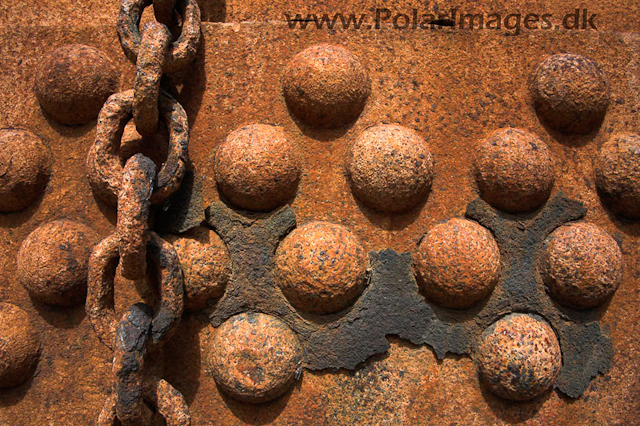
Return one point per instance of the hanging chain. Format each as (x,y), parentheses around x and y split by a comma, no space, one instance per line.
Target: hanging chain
(133,188)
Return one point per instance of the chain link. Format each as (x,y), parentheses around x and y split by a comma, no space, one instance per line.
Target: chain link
(134,203)
(153,51)
(100,293)
(128,362)
(133,187)
(181,53)
(104,163)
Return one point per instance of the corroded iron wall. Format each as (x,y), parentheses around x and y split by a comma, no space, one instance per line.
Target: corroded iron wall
(375,226)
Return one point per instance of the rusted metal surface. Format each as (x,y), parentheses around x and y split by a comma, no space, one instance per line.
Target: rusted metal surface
(586,346)
(454,88)
(164,11)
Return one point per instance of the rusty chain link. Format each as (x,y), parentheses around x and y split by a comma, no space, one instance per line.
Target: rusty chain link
(153,51)
(100,294)
(134,203)
(104,163)
(181,53)
(133,186)
(128,362)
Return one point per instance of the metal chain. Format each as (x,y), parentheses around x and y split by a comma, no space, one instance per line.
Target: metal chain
(133,187)
(153,52)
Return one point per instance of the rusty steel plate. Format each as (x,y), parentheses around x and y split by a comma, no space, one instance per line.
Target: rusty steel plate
(394,225)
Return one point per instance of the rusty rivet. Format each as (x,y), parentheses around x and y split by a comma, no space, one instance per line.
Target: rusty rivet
(255,357)
(52,262)
(326,85)
(581,265)
(206,265)
(618,174)
(514,170)
(73,82)
(25,168)
(19,346)
(457,263)
(519,357)
(570,93)
(321,267)
(257,167)
(390,168)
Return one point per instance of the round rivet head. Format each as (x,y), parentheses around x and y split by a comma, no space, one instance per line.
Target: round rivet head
(519,357)
(618,174)
(581,265)
(457,263)
(73,82)
(257,168)
(53,260)
(25,168)
(390,168)
(205,263)
(255,357)
(570,93)
(19,346)
(326,85)
(321,267)
(514,170)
